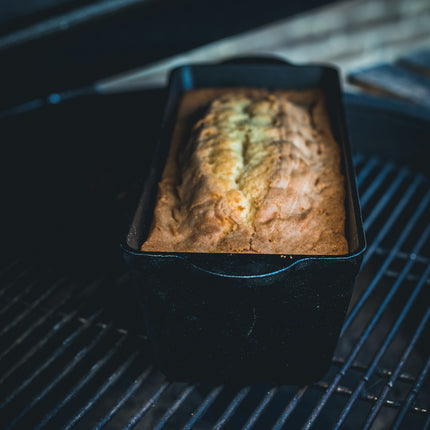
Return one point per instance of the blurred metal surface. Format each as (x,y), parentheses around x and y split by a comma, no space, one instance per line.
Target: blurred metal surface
(350,34)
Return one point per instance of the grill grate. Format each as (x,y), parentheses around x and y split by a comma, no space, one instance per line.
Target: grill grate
(64,363)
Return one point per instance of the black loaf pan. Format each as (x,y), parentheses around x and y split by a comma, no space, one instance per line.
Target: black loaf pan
(245,318)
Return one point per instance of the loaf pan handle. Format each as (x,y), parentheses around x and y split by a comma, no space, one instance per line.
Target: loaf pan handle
(269,59)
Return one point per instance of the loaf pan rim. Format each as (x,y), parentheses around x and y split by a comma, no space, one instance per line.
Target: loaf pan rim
(289,259)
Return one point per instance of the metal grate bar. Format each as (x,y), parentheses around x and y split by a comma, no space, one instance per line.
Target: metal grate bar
(33,306)
(411,396)
(136,384)
(10,284)
(357,161)
(390,337)
(378,181)
(364,173)
(172,409)
(289,409)
(39,345)
(385,373)
(234,404)
(405,255)
(210,398)
(391,219)
(368,330)
(412,278)
(40,321)
(18,297)
(60,350)
(393,252)
(389,385)
(111,380)
(260,408)
(83,381)
(382,203)
(151,402)
(67,369)
(369,398)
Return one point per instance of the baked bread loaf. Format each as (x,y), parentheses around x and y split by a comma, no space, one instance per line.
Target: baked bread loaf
(260,173)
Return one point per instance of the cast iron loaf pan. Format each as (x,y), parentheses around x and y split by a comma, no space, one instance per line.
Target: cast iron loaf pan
(245,318)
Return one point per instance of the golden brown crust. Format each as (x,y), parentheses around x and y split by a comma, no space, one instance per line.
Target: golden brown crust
(259,174)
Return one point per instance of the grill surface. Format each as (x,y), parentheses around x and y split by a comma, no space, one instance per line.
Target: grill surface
(68,361)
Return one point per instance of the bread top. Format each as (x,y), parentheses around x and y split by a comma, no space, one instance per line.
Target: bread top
(260,173)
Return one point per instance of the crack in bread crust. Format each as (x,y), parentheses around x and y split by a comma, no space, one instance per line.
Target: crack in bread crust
(260,174)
